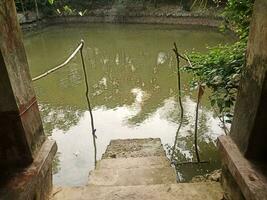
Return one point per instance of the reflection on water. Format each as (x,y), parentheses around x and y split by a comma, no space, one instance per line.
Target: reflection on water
(132,87)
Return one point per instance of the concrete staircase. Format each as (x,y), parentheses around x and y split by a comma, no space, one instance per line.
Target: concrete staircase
(137,169)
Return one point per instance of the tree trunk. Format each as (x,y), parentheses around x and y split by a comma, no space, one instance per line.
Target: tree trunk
(36,10)
(155,3)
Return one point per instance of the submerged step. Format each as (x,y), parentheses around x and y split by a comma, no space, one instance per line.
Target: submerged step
(134,176)
(128,163)
(181,191)
(134,148)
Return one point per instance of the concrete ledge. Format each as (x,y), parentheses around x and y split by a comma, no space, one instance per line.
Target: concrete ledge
(178,20)
(184,21)
(247,175)
(35,181)
(126,148)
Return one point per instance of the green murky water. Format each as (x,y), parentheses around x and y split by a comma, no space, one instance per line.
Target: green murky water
(132,81)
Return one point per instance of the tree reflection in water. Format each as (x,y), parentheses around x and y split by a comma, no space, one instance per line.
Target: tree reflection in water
(132,80)
(59,118)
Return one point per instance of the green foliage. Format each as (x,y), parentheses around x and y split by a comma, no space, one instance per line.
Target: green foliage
(238,15)
(44,6)
(51,1)
(220,71)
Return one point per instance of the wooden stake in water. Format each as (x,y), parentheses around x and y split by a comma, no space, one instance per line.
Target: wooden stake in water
(175,50)
(200,94)
(89,104)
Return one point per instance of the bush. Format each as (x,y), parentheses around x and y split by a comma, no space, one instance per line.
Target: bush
(220,71)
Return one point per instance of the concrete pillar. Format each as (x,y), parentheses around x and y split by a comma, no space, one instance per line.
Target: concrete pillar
(21,131)
(244,152)
(250,119)
(25,154)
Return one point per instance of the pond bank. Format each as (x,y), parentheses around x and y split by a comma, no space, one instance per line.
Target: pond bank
(175,20)
(163,15)
(132,87)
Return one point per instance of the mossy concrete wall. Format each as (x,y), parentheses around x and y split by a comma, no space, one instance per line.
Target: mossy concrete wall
(250,119)
(25,154)
(244,151)
(163,15)
(173,20)
(21,130)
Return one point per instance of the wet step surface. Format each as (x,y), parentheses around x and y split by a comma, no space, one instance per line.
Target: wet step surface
(137,169)
(139,162)
(134,148)
(133,162)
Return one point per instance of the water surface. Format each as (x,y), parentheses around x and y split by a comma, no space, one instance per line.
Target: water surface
(132,77)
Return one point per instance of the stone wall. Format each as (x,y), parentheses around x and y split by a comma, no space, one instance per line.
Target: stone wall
(182,20)
(163,15)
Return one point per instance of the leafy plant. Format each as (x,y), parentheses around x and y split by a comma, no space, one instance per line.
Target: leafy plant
(238,15)
(220,71)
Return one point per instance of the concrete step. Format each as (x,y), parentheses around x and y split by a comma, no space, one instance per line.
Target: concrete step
(134,176)
(128,163)
(181,191)
(134,148)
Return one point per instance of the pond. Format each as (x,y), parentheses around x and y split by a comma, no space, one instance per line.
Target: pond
(133,90)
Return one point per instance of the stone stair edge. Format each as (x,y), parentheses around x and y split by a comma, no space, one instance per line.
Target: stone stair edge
(133,162)
(89,186)
(196,191)
(146,176)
